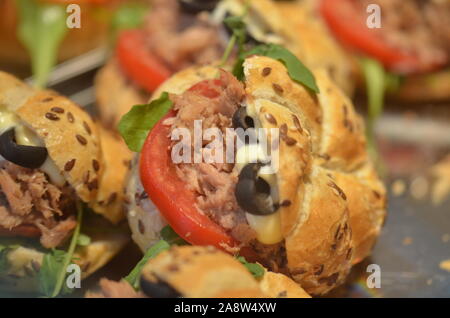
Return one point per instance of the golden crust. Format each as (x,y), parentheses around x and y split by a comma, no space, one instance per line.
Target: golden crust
(366,200)
(343,144)
(325,207)
(115,95)
(197,271)
(314,45)
(13,92)
(184,79)
(115,168)
(298,99)
(202,272)
(69,135)
(277,285)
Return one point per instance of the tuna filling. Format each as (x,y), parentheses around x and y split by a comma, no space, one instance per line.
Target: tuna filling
(29,201)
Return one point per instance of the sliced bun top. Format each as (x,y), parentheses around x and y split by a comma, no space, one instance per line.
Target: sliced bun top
(92,162)
(70,136)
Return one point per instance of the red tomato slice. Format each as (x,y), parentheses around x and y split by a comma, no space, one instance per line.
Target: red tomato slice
(138,63)
(171,195)
(349,26)
(207,89)
(25,230)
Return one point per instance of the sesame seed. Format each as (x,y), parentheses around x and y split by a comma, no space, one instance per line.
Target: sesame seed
(95,165)
(270,118)
(58,110)
(51,116)
(266,71)
(278,89)
(81,140)
(297,123)
(87,128)
(289,140)
(283,130)
(69,165)
(70,117)
(48,99)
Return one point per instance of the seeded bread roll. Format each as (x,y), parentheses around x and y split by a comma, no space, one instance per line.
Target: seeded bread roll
(332,201)
(88,158)
(115,95)
(318,224)
(117,157)
(194,271)
(87,155)
(277,285)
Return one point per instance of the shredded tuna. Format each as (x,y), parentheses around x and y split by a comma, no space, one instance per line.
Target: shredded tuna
(181,40)
(213,182)
(28,198)
(113,289)
(416,26)
(52,237)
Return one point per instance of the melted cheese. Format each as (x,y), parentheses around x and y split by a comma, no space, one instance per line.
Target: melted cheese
(25,136)
(267,227)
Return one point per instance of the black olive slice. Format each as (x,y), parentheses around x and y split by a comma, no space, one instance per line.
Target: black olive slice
(197,6)
(242,120)
(157,288)
(253,192)
(26,156)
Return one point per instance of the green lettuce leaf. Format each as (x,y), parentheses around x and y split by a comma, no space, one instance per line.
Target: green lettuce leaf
(41,29)
(134,277)
(128,16)
(296,69)
(53,270)
(135,125)
(171,237)
(255,269)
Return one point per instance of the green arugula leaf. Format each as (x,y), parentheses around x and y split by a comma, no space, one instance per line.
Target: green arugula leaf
(41,29)
(171,237)
(296,69)
(83,240)
(237,25)
(53,270)
(52,265)
(375,79)
(134,277)
(255,269)
(137,123)
(128,16)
